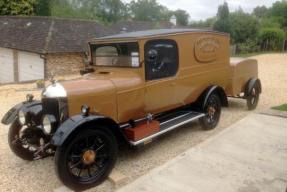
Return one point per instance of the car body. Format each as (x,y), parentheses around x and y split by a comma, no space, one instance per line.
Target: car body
(137,87)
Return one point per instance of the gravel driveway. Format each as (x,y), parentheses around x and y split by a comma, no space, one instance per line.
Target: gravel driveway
(18,175)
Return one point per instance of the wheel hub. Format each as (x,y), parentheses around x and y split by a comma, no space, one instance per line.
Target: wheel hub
(89,157)
(253,92)
(211,111)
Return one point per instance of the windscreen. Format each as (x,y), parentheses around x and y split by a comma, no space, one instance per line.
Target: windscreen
(116,55)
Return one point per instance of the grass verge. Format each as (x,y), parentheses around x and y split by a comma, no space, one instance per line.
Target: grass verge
(281,107)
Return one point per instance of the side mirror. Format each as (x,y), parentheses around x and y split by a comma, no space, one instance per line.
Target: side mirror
(152,55)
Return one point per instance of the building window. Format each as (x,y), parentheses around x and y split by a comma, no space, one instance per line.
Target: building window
(161,59)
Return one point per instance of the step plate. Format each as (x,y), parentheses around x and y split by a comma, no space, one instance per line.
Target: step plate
(171,124)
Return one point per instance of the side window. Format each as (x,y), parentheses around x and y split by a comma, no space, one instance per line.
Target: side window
(161,59)
(105,55)
(107,51)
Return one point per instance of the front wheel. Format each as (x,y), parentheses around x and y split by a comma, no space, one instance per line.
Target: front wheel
(21,142)
(86,159)
(212,110)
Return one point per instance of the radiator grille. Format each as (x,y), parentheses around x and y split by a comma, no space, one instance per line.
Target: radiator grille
(57,107)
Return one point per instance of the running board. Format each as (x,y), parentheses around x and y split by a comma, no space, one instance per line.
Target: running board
(169,125)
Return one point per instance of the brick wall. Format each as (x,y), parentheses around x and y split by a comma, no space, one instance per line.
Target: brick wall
(64,63)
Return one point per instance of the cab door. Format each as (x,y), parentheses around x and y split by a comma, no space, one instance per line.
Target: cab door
(161,67)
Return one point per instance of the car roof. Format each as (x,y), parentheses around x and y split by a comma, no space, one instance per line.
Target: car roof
(155,32)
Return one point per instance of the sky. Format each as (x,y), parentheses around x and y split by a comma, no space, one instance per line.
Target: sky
(202,9)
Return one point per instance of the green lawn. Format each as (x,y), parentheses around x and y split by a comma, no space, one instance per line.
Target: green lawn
(281,107)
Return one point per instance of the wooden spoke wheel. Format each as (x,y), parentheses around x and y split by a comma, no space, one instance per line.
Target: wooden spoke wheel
(212,111)
(86,159)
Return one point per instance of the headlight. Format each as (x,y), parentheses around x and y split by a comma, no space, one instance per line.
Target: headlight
(48,122)
(21,117)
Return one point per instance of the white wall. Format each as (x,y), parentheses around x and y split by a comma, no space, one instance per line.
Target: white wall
(30,66)
(6,65)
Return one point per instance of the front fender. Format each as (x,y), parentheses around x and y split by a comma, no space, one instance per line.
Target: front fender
(78,121)
(34,108)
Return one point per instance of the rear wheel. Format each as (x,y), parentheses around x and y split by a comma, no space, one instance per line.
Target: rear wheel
(253,97)
(86,159)
(212,110)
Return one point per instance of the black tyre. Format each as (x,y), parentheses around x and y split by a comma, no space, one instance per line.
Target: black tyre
(85,160)
(212,109)
(253,97)
(18,144)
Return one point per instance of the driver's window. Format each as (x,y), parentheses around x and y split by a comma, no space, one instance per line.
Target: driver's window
(161,59)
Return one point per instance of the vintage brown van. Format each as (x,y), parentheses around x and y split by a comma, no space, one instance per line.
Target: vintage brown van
(138,86)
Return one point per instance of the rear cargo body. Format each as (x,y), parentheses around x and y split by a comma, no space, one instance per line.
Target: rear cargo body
(241,71)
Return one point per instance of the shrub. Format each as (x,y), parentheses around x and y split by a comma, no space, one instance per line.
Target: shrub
(249,46)
(272,39)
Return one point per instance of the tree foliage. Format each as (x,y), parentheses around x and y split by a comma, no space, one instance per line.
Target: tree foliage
(111,10)
(223,22)
(279,12)
(260,11)
(272,39)
(17,7)
(148,10)
(244,26)
(182,17)
(208,23)
(43,8)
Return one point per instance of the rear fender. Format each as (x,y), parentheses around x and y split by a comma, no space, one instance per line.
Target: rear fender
(250,84)
(32,109)
(78,122)
(213,89)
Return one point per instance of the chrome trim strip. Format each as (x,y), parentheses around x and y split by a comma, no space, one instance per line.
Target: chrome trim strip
(165,130)
(124,125)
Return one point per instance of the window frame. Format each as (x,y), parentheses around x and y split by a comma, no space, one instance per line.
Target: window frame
(113,44)
(169,42)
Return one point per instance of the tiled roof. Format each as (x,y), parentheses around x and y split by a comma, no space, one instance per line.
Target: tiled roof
(132,26)
(48,35)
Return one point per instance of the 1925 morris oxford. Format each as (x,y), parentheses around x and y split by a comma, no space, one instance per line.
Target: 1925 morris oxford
(138,86)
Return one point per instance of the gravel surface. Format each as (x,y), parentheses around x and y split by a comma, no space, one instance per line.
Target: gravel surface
(19,175)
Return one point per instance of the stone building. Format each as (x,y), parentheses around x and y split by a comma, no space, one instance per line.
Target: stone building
(33,47)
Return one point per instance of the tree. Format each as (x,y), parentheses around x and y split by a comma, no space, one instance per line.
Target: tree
(111,10)
(107,11)
(244,26)
(279,12)
(260,11)
(208,23)
(269,22)
(182,17)
(147,10)
(17,7)
(43,8)
(272,39)
(222,23)
(66,8)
